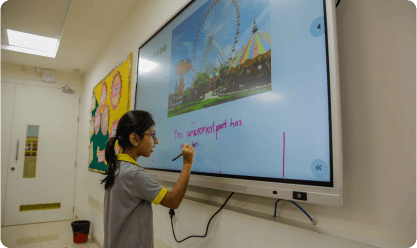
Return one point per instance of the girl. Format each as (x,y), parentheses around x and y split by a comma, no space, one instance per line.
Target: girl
(129,193)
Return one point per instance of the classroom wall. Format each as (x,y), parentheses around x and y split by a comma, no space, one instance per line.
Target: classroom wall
(377,83)
(25,74)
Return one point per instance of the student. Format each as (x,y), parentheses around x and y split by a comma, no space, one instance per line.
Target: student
(129,193)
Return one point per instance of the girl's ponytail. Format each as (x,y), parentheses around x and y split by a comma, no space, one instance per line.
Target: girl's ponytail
(110,156)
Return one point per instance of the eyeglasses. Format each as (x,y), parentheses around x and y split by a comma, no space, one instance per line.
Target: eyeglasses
(153,135)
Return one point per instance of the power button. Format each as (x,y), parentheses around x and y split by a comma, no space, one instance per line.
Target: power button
(299,196)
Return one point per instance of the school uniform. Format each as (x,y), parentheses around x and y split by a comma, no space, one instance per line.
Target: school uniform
(128,218)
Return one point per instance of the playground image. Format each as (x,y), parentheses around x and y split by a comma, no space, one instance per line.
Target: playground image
(220,53)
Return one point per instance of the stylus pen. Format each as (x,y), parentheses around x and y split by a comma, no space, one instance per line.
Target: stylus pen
(179,155)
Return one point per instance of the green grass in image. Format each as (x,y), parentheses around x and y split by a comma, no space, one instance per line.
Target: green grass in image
(175,111)
(190,107)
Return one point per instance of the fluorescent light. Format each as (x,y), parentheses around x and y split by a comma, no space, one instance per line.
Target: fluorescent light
(146,65)
(29,51)
(30,43)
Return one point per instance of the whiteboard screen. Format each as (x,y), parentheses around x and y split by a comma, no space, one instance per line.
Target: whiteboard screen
(248,81)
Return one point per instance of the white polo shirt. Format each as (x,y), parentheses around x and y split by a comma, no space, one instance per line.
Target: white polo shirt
(128,218)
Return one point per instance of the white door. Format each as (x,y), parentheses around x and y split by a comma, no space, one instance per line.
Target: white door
(56,113)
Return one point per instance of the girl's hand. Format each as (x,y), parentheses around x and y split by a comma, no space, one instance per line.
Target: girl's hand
(188,155)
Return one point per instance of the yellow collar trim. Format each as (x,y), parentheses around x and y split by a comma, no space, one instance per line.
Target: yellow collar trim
(127,158)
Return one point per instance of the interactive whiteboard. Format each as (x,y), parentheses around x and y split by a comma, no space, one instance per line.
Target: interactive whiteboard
(254,84)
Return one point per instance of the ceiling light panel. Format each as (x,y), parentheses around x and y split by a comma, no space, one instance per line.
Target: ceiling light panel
(41,20)
(31,41)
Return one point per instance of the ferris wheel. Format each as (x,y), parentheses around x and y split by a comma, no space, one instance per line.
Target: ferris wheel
(217,35)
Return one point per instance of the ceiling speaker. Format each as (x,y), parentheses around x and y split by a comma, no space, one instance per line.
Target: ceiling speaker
(48,76)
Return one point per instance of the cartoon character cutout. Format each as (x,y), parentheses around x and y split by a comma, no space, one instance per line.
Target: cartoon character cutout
(103,94)
(97,119)
(113,128)
(100,155)
(116,90)
(105,119)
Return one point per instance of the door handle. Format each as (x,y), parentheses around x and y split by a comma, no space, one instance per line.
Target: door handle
(17,150)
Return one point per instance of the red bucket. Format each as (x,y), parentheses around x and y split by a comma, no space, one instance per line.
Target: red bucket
(80,237)
(81,230)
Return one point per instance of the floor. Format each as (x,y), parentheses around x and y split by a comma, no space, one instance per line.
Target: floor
(42,235)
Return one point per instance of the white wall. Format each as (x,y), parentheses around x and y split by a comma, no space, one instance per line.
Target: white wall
(377,69)
(24,74)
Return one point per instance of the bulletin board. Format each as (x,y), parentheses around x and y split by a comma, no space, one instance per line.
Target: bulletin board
(110,101)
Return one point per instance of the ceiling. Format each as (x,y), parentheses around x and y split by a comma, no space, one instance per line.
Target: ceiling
(88,27)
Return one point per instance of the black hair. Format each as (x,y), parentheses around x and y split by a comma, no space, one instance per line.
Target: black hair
(135,121)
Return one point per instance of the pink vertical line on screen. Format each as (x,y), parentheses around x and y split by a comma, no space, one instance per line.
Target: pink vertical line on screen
(283,158)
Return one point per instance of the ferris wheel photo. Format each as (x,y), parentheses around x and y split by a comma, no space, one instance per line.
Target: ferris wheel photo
(220,53)
(217,35)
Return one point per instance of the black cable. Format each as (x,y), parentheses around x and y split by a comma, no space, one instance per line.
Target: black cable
(337,4)
(170,212)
